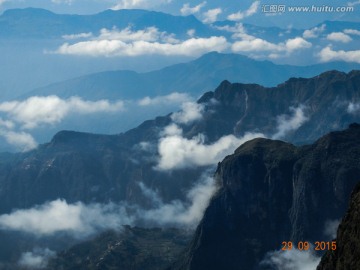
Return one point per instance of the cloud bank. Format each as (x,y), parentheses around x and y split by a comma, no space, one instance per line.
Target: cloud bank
(80,220)
(37,110)
(190,47)
(150,40)
(59,216)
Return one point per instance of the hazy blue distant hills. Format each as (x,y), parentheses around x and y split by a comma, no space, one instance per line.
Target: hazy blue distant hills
(195,77)
(40,23)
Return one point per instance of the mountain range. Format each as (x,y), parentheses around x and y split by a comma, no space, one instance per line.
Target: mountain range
(298,110)
(158,166)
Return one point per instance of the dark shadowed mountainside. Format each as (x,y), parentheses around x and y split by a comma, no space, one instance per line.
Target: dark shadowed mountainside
(271,192)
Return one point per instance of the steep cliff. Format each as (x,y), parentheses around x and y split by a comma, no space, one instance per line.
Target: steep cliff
(272,192)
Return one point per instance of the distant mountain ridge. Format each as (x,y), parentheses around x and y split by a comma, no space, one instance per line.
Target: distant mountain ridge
(195,77)
(41,23)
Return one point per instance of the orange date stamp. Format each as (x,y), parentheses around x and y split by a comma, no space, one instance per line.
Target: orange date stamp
(305,245)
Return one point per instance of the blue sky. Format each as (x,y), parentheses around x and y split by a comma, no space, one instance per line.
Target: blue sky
(220,9)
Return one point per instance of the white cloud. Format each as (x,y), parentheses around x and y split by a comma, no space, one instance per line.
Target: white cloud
(243,14)
(314,32)
(36,259)
(21,140)
(339,37)
(173,98)
(288,123)
(187,9)
(178,152)
(38,110)
(331,227)
(352,32)
(190,111)
(187,213)
(292,259)
(211,15)
(353,108)
(130,4)
(328,54)
(249,43)
(190,47)
(253,44)
(77,36)
(297,43)
(59,216)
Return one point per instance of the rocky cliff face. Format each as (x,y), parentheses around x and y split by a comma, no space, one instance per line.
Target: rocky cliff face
(347,254)
(272,192)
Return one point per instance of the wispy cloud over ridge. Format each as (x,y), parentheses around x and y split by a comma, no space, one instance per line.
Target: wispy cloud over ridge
(187,9)
(243,14)
(287,123)
(109,48)
(211,15)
